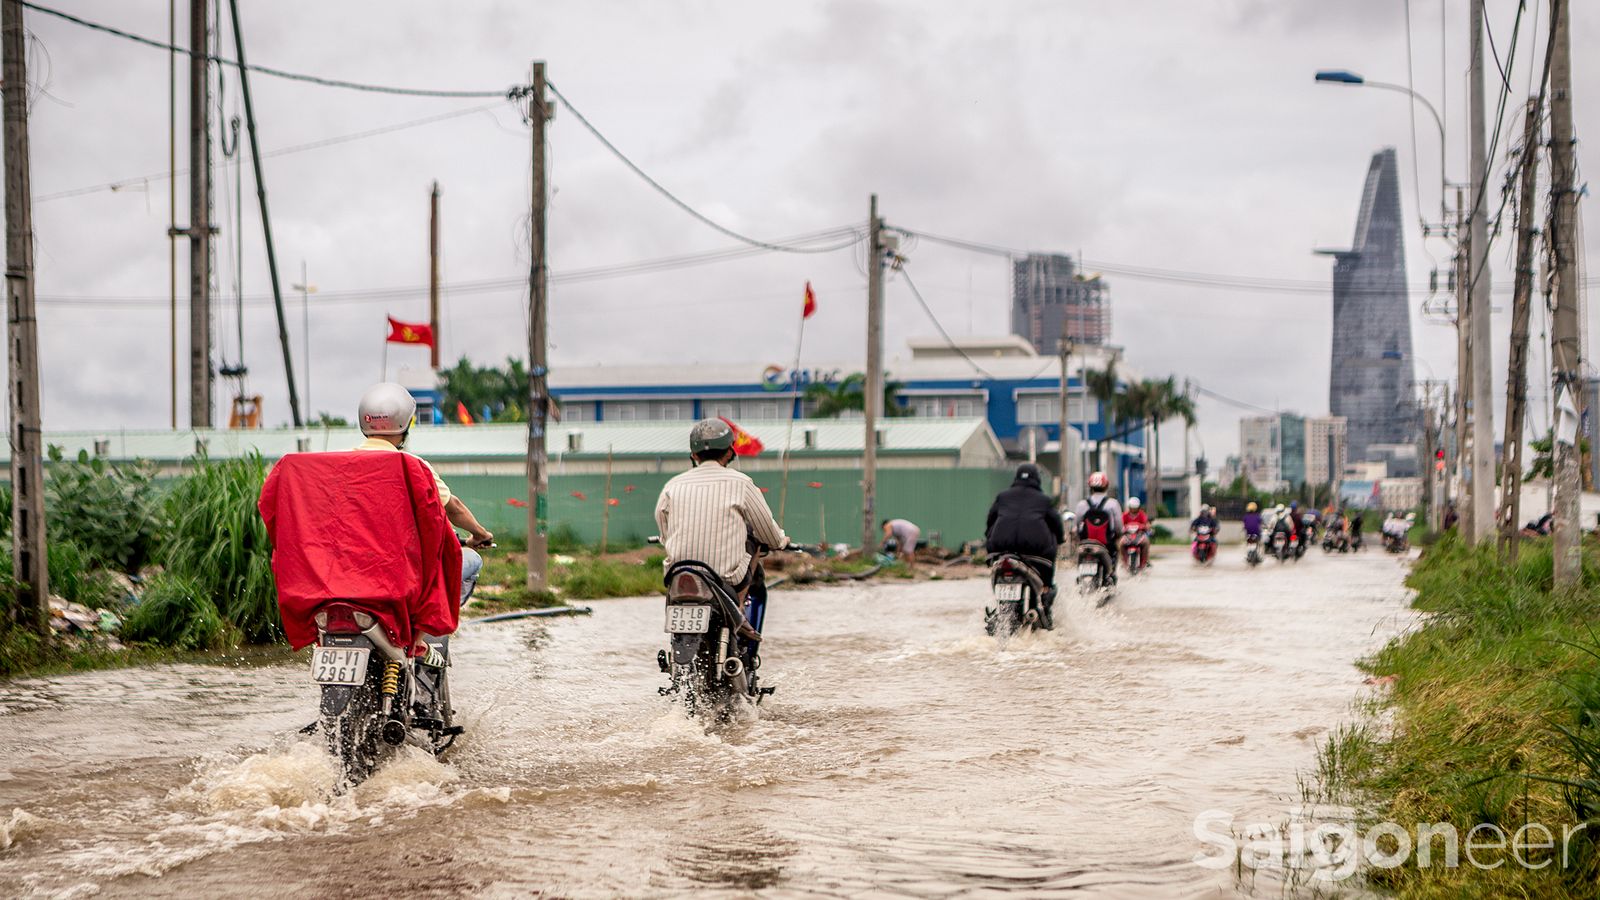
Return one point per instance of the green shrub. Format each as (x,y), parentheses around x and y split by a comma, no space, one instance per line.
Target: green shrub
(111,512)
(588,579)
(73,576)
(175,612)
(565,539)
(219,542)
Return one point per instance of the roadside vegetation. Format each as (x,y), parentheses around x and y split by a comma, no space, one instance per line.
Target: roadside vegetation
(1492,717)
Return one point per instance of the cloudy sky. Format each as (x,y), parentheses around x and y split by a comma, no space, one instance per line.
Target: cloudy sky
(1172,134)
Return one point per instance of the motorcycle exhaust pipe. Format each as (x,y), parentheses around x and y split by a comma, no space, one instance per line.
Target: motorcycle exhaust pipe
(733,667)
(1031,616)
(394,732)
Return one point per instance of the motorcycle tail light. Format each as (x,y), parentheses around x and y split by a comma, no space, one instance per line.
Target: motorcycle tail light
(342,618)
(687,585)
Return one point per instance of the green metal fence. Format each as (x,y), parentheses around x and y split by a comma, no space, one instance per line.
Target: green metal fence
(820,505)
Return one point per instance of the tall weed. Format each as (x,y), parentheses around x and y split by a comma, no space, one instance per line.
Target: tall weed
(219,543)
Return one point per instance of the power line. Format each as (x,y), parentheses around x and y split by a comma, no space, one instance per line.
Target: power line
(1232,402)
(513,92)
(478,286)
(677,201)
(899,266)
(123,183)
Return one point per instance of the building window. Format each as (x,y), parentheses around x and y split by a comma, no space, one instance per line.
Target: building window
(577,411)
(727,409)
(761,409)
(627,411)
(1045,409)
(671,410)
(945,405)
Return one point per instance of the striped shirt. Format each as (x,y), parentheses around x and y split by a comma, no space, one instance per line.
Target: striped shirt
(706,514)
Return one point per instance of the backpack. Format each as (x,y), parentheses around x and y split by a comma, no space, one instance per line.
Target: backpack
(1096,525)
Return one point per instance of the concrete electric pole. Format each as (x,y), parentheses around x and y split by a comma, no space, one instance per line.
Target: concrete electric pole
(433,274)
(28,558)
(538,371)
(199,229)
(1482,386)
(1065,460)
(872,401)
(1517,370)
(1565,325)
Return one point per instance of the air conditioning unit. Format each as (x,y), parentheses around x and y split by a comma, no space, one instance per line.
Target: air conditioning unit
(102,446)
(302,444)
(574,442)
(808,439)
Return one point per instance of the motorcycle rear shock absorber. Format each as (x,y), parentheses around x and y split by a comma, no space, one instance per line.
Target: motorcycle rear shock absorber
(391,685)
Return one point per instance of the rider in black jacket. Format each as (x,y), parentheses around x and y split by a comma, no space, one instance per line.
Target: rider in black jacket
(1023,521)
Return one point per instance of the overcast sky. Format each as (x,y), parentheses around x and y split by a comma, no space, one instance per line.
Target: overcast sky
(1174,135)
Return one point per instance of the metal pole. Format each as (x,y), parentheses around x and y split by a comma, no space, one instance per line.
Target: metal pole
(172,200)
(873,399)
(1063,485)
(266,217)
(538,374)
(28,559)
(305,334)
(433,274)
(605,509)
(1517,370)
(1565,326)
(1458,456)
(1482,386)
(199,229)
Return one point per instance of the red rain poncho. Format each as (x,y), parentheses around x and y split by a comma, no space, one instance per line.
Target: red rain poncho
(366,528)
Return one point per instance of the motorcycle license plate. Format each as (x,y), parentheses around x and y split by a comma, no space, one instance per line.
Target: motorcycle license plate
(339,665)
(1089,568)
(1008,593)
(688,619)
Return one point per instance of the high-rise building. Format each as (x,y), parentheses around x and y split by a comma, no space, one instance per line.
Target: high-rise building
(1372,368)
(1327,448)
(1261,451)
(1049,295)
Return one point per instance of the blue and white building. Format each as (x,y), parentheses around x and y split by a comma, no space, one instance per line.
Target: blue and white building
(1001,379)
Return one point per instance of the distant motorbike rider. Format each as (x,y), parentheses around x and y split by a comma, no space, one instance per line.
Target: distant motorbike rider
(711,513)
(386,413)
(1207,518)
(1136,520)
(1023,521)
(1252,523)
(1356,520)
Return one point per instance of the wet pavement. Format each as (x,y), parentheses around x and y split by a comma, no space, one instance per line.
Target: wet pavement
(904,754)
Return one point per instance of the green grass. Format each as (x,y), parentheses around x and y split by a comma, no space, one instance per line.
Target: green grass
(219,542)
(1497,690)
(27,655)
(585,578)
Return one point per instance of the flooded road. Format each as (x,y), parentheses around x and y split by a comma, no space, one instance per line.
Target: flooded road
(904,754)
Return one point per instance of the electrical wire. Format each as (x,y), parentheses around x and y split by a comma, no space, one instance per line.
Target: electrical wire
(675,199)
(1232,402)
(124,183)
(514,92)
(899,266)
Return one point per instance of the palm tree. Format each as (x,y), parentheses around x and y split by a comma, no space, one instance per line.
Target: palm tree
(1103,387)
(1164,400)
(848,394)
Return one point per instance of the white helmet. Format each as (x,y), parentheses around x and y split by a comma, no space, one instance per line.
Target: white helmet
(1133,502)
(386,408)
(1099,482)
(1278,508)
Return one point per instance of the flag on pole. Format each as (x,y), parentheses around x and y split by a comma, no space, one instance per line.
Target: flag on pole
(409,333)
(811,302)
(744,443)
(462,415)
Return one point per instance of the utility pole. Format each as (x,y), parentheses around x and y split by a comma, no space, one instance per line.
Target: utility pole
(1066,456)
(1482,387)
(172,199)
(1429,476)
(538,372)
(433,274)
(266,217)
(1517,370)
(28,559)
(873,399)
(199,229)
(1565,324)
(1458,454)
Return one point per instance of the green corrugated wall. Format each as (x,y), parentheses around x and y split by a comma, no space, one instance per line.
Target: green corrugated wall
(952,502)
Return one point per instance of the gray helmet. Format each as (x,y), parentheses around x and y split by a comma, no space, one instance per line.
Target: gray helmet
(386,408)
(710,434)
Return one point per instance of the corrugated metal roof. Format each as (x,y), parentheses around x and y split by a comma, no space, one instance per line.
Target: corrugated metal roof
(833,437)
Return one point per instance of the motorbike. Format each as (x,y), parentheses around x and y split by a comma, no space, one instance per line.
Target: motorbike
(1019,597)
(1335,540)
(1396,543)
(714,635)
(1308,534)
(1252,552)
(1204,546)
(1282,545)
(1097,569)
(375,697)
(1135,548)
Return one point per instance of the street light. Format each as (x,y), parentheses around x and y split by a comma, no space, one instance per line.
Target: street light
(306,288)
(1345,76)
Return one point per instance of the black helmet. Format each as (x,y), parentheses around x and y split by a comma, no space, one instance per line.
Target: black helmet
(1027,474)
(710,434)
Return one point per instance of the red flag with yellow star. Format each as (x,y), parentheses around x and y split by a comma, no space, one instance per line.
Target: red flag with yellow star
(744,443)
(409,333)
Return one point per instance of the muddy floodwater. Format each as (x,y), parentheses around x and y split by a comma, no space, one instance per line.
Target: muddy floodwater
(904,754)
